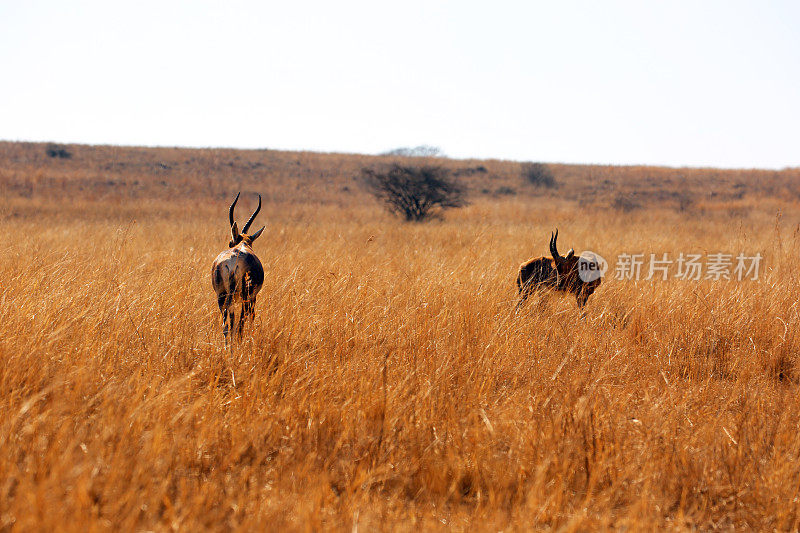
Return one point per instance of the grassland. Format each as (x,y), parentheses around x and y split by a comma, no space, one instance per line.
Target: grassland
(386,382)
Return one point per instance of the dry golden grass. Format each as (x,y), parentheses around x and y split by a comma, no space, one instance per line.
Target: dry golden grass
(386,383)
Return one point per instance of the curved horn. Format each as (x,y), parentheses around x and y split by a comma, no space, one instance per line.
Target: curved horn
(253,216)
(255,235)
(553,247)
(230,212)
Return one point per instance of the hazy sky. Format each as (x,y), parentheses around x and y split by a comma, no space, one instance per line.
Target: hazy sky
(677,83)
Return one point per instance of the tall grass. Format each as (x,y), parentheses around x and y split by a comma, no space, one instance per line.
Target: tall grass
(386,382)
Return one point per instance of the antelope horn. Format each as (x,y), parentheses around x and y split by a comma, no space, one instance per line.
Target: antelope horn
(255,235)
(253,216)
(553,247)
(230,212)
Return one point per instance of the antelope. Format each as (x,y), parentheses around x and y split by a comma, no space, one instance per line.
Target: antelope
(237,274)
(559,273)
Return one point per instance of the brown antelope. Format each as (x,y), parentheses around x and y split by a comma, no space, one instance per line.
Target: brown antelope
(560,273)
(237,274)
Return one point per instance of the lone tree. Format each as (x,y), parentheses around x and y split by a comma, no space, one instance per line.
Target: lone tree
(415,193)
(423,150)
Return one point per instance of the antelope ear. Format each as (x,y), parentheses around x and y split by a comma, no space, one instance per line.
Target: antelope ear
(235,231)
(570,254)
(257,234)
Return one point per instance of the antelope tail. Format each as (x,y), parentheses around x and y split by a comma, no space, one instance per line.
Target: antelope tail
(247,287)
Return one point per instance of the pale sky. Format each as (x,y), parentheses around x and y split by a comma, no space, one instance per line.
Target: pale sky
(681,83)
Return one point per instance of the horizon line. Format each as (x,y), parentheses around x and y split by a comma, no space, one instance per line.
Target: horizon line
(442,156)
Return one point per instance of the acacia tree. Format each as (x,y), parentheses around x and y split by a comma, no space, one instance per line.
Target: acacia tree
(414,193)
(423,150)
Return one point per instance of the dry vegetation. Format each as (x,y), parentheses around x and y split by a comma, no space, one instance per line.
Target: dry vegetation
(386,383)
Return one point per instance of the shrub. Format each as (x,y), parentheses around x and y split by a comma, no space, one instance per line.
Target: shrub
(538,174)
(53,150)
(505,191)
(469,171)
(414,193)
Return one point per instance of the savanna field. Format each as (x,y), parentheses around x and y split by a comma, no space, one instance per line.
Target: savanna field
(386,382)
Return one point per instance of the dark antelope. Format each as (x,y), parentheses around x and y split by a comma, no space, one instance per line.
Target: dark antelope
(558,273)
(237,274)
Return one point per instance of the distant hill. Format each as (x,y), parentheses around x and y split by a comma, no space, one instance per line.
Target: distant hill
(102,172)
